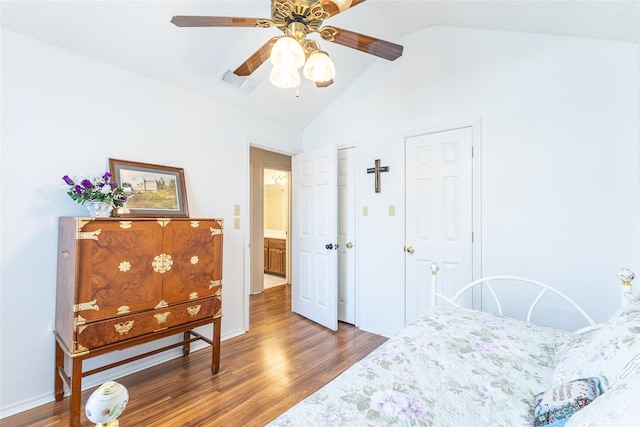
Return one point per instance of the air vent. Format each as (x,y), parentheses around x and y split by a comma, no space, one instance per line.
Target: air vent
(245,84)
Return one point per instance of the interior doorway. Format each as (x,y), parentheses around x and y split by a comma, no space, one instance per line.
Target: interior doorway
(276,214)
(270,217)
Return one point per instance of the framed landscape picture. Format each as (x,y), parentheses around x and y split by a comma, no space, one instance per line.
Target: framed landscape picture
(152,190)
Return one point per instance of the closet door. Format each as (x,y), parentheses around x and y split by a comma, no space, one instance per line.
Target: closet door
(347,235)
(439,215)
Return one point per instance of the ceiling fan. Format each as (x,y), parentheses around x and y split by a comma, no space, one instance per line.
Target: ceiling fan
(297,19)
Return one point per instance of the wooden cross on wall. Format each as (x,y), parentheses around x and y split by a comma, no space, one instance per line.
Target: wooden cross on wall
(376,170)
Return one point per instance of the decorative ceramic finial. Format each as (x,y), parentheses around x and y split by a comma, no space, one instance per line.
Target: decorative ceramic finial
(626,276)
(434,268)
(106,404)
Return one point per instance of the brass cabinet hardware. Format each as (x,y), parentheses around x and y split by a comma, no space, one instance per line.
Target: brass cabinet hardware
(88,235)
(91,305)
(161,304)
(162,317)
(194,309)
(124,327)
(162,263)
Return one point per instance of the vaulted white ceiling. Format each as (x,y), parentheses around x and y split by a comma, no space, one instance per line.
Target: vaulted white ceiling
(138,37)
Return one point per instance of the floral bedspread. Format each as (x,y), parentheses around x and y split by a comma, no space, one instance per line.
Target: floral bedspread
(452,367)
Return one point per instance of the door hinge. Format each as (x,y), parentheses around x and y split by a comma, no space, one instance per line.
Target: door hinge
(472,237)
(472,151)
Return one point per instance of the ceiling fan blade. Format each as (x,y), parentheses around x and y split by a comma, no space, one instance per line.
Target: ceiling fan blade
(333,9)
(371,45)
(216,21)
(255,60)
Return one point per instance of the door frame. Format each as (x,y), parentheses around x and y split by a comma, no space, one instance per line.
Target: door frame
(247,216)
(476,184)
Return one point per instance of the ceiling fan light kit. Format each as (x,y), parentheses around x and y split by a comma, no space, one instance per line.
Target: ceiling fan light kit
(284,78)
(342,4)
(287,53)
(297,19)
(319,67)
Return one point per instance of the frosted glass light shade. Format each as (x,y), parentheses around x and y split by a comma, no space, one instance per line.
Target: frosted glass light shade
(319,67)
(284,78)
(342,4)
(287,53)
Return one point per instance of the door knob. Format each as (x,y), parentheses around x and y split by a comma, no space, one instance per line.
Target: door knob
(349,245)
(328,246)
(410,249)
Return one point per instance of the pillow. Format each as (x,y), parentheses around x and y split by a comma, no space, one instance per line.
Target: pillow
(618,406)
(554,407)
(603,352)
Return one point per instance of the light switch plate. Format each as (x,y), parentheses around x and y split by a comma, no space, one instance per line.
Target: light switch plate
(236,210)
(365,211)
(236,223)
(392,210)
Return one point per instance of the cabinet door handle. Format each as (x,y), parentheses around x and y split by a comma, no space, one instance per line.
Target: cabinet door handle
(124,327)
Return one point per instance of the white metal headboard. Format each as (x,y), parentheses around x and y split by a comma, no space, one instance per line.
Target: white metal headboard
(625,275)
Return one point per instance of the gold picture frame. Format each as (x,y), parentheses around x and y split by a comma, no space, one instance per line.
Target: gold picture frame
(152,190)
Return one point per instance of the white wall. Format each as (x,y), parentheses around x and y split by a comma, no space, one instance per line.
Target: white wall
(560,157)
(66,114)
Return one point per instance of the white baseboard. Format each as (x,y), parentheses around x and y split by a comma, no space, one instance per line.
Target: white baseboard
(111,374)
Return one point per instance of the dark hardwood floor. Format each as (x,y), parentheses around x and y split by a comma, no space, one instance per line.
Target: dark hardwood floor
(281,360)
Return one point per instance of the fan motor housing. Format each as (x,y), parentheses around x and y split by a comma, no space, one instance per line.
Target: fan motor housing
(309,13)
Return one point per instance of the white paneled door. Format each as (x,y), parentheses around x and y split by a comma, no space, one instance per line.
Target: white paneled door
(314,258)
(439,214)
(346,235)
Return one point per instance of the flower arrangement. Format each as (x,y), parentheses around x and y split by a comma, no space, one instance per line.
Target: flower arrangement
(95,189)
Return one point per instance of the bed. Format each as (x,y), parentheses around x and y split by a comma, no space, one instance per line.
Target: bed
(456,366)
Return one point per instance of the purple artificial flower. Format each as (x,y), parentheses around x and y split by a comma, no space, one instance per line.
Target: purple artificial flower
(68,180)
(106,176)
(79,189)
(87,183)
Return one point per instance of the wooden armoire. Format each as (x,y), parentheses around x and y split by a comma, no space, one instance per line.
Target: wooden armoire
(127,281)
